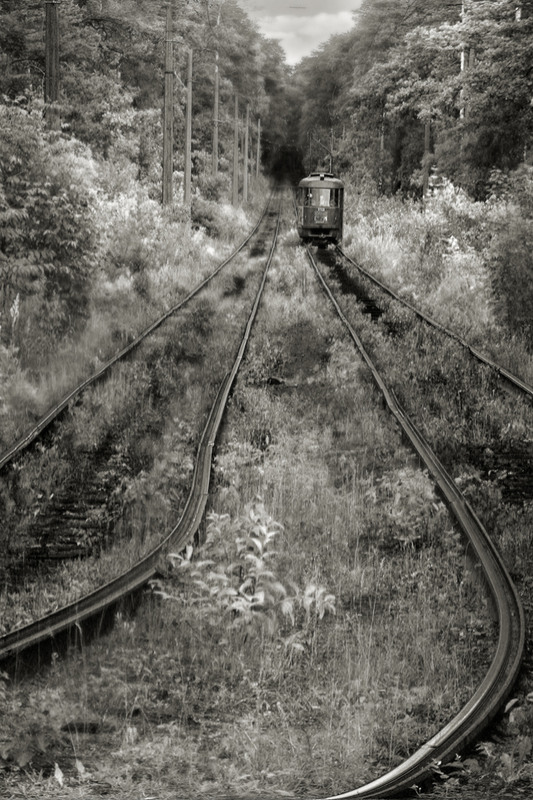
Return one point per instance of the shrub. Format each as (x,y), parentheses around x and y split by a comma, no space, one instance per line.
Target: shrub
(47,210)
(511,263)
(213,187)
(231,587)
(204,214)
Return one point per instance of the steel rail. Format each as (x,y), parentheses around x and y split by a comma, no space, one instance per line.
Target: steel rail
(487,700)
(46,420)
(506,374)
(97,602)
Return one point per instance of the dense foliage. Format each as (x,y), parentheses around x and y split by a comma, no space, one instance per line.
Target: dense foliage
(420,95)
(60,190)
(464,69)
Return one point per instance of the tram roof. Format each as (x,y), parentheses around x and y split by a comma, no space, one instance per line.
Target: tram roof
(324,180)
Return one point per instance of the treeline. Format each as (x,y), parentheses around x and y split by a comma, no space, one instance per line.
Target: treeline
(112,54)
(420,88)
(112,69)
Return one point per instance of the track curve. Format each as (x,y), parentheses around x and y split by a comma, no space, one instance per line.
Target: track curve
(503,671)
(70,617)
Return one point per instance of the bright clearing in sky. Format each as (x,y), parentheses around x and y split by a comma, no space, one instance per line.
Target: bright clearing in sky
(301,26)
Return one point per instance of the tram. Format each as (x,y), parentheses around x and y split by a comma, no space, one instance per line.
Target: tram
(320,203)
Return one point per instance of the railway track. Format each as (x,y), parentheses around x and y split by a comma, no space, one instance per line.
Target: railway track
(75,500)
(503,372)
(33,642)
(484,704)
(419,768)
(58,408)
(508,464)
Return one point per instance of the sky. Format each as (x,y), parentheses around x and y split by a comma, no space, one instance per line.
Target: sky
(301,25)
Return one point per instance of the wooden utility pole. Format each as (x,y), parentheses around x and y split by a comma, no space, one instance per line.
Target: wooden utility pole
(246,155)
(215,116)
(462,111)
(168,122)
(51,82)
(381,152)
(236,154)
(468,61)
(216,103)
(425,167)
(258,159)
(188,136)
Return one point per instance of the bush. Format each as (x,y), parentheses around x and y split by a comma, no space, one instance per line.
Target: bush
(511,263)
(231,588)
(205,214)
(213,187)
(47,214)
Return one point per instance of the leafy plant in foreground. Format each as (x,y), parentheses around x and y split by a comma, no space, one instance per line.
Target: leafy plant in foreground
(229,588)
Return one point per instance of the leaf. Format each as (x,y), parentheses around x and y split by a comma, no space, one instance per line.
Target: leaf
(80,769)
(58,775)
(258,544)
(217,577)
(287,608)
(258,599)
(307,602)
(511,704)
(162,594)
(249,583)
(254,560)
(22,757)
(206,563)
(227,591)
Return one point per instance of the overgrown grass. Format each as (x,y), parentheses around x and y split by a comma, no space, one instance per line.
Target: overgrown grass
(476,427)
(149,414)
(149,259)
(229,682)
(446,256)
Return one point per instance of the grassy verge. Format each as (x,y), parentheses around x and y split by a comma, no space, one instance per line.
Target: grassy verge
(478,428)
(446,257)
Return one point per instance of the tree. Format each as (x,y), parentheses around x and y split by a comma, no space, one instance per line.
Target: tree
(48,245)
(399,70)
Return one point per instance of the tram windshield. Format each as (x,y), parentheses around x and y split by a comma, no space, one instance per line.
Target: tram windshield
(321,197)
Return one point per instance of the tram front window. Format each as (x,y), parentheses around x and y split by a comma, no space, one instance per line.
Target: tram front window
(321,197)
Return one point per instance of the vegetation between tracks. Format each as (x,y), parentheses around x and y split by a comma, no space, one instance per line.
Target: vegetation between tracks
(267,690)
(465,263)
